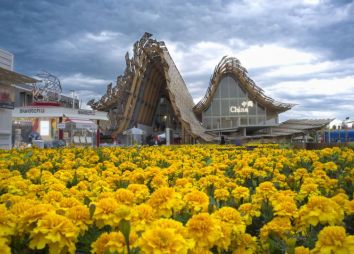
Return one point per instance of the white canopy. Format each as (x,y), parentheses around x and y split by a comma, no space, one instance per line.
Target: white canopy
(133,131)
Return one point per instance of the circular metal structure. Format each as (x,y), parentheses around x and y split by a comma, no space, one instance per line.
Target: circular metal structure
(48,88)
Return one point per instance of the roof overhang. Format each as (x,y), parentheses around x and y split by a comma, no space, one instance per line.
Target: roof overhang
(8,77)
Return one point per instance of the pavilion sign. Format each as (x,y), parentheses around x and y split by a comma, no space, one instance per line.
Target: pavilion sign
(243,108)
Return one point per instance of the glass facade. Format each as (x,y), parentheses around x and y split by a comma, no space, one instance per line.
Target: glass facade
(231,107)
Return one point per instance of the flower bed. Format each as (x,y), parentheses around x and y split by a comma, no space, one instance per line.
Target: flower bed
(177,199)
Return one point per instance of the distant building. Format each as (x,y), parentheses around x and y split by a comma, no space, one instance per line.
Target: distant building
(24,97)
(6,60)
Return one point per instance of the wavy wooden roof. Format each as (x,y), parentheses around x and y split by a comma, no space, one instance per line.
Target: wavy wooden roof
(232,66)
(146,72)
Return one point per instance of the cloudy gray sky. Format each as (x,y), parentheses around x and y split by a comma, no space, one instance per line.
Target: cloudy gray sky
(298,51)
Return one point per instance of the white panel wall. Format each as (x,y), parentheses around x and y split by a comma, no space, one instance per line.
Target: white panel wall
(6,60)
(5,128)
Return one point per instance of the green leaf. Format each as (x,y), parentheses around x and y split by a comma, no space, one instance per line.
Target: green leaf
(124,227)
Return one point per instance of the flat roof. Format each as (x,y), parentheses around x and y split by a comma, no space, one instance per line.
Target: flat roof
(8,77)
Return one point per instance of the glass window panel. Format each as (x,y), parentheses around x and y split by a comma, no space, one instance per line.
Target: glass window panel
(260,110)
(215,107)
(235,122)
(243,121)
(225,122)
(215,123)
(224,87)
(225,108)
(233,88)
(243,92)
(261,120)
(253,121)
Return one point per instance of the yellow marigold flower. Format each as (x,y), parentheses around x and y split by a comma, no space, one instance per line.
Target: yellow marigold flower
(333,239)
(124,196)
(105,212)
(165,238)
(320,210)
(232,217)
(264,191)
(141,192)
(124,212)
(221,194)
(183,182)
(281,226)
(158,181)
(341,199)
(33,174)
(308,189)
(169,223)
(165,200)
(248,211)
(80,216)
(349,208)
(241,192)
(4,248)
(197,201)
(330,166)
(245,244)
(7,222)
(302,250)
(69,202)
(143,217)
(205,230)
(31,216)
(284,206)
(109,243)
(300,173)
(56,231)
(53,197)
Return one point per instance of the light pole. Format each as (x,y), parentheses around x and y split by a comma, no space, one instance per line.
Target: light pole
(73,92)
(344,124)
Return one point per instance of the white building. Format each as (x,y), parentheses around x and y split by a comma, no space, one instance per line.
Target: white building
(7,96)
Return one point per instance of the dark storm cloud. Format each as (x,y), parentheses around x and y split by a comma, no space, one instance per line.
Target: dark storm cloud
(83,42)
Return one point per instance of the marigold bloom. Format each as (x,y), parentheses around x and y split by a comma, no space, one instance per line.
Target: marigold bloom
(241,192)
(245,244)
(333,239)
(221,194)
(205,230)
(109,243)
(165,237)
(264,191)
(105,212)
(141,192)
(197,201)
(33,173)
(31,216)
(281,226)
(7,222)
(232,218)
(302,250)
(124,196)
(4,248)
(80,216)
(248,211)
(165,200)
(56,231)
(320,210)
